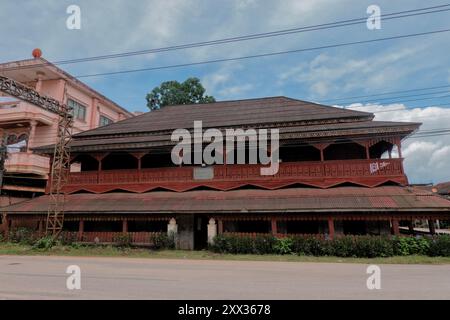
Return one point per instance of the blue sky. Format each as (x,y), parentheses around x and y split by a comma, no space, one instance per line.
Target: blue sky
(118,26)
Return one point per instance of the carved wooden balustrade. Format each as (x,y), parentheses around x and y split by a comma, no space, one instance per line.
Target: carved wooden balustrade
(370,172)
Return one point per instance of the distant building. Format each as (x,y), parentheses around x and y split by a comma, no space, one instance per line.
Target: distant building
(26,126)
(442,189)
(337,175)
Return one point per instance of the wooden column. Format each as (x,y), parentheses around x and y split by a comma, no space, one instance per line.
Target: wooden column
(395,227)
(80,230)
(6,222)
(431,226)
(331,228)
(411,227)
(41,227)
(220,226)
(274,226)
(125,226)
(367,151)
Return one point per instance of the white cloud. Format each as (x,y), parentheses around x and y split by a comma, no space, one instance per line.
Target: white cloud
(327,74)
(426,157)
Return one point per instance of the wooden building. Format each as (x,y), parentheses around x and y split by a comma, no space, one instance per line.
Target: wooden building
(340,172)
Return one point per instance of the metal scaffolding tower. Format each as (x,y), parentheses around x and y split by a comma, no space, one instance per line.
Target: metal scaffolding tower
(60,167)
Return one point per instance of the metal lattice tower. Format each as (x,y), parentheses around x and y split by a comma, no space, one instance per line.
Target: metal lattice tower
(61,157)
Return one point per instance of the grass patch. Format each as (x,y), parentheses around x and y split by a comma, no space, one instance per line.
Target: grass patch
(110,251)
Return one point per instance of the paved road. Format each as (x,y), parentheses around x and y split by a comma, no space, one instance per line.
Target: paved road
(123,278)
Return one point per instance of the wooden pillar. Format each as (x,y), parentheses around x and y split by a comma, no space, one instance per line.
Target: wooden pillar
(80,230)
(411,227)
(431,226)
(41,228)
(395,227)
(367,151)
(220,226)
(125,226)
(6,222)
(331,228)
(274,226)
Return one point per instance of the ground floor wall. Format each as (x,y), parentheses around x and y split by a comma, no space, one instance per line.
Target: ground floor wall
(194,231)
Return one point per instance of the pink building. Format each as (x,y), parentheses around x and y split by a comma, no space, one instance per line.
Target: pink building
(25,126)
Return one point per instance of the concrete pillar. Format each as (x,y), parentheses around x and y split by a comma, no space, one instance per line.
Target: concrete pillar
(172,231)
(432,227)
(212,231)
(30,144)
(185,235)
(40,76)
(93,120)
(331,228)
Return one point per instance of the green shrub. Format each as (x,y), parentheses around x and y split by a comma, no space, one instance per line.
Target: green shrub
(122,240)
(44,243)
(405,246)
(345,246)
(342,247)
(68,238)
(262,244)
(163,241)
(439,246)
(2,238)
(371,247)
(23,236)
(284,246)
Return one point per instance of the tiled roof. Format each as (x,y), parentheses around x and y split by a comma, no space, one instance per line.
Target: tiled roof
(339,199)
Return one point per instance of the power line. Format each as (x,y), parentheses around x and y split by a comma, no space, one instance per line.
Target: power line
(190,64)
(340,23)
(386,93)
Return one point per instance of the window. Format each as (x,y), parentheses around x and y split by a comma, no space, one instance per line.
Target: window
(104,121)
(79,111)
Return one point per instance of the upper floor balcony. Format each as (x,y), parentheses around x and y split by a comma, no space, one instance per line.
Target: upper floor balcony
(20,112)
(366,172)
(27,163)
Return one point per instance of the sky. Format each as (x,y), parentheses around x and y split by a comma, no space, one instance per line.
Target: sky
(325,75)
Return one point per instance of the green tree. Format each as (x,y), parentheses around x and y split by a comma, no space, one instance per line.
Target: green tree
(172,93)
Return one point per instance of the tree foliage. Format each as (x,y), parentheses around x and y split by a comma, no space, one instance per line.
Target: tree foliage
(171,93)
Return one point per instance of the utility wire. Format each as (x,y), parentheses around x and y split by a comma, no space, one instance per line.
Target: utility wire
(335,24)
(190,64)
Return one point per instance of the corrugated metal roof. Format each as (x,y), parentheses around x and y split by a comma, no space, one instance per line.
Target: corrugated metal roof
(227,113)
(295,200)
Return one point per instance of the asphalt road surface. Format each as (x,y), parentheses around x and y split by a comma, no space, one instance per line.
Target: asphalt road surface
(123,278)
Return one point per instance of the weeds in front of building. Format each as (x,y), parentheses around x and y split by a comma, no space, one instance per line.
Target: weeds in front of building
(343,246)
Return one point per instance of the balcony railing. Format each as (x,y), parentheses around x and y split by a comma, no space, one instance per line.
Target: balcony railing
(298,171)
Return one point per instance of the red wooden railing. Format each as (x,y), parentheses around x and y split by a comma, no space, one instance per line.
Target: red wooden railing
(288,170)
